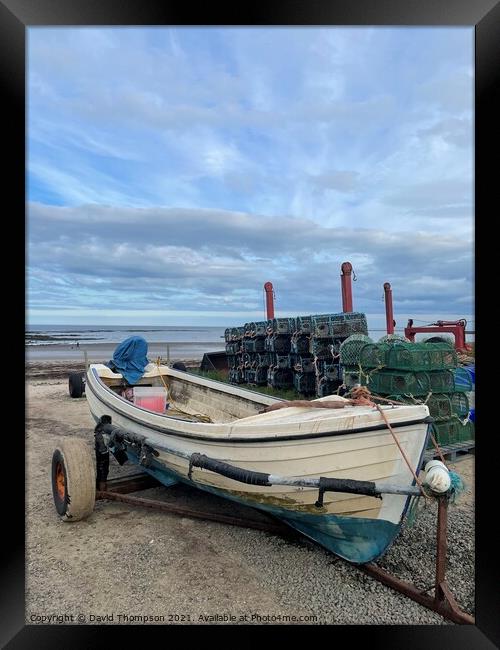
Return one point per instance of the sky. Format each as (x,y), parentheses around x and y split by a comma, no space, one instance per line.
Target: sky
(171,172)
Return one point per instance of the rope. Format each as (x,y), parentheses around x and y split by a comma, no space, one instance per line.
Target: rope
(362,397)
(433,439)
(438,449)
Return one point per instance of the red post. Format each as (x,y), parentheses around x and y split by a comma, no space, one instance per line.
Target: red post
(346,284)
(389,315)
(268,287)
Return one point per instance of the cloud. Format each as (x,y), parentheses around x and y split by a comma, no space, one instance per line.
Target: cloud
(175,166)
(156,256)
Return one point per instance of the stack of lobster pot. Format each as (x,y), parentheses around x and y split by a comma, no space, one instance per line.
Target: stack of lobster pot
(301,352)
(426,373)
(278,347)
(301,359)
(234,338)
(255,360)
(329,331)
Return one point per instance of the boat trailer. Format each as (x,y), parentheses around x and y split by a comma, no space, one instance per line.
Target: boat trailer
(121,489)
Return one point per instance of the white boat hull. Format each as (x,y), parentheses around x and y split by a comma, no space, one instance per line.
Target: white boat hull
(348,443)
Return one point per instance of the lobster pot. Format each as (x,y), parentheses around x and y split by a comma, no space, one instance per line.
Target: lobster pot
(350,377)
(303,364)
(326,386)
(440,406)
(441,381)
(279,326)
(397,382)
(419,356)
(259,344)
(253,345)
(236,376)
(304,383)
(303,325)
(280,377)
(322,348)
(321,326)
(329,370)
(258,329)
(232,361)
(227,334)
(350,349)
(392,338)
(299,344)
(233,348)
(467,432)
(264,360)
(452,431)
(462,380)
(372,355)
(282,361)
(278,344)
(237,333)
(345,324)
(460,404)
(257,376)
(248,360)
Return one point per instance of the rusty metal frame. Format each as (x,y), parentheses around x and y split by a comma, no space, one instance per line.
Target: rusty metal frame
(442,602)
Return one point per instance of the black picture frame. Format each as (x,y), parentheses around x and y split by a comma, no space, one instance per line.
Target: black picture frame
(16,16)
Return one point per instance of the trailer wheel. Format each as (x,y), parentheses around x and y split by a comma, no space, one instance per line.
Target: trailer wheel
(178,365)
(76,384)
(73,480)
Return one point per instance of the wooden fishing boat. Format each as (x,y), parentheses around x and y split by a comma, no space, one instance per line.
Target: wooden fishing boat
(336,475)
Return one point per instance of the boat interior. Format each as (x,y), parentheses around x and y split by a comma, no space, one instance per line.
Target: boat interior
(185,395)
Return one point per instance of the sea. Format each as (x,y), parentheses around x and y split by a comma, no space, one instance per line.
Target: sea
(174,342)
(71,334)
(64,342)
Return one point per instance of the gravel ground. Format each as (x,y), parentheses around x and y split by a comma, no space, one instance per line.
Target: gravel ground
(128,562)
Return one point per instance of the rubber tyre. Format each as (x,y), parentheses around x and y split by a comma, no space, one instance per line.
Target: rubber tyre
(178,365)
(73,480)
(76,384)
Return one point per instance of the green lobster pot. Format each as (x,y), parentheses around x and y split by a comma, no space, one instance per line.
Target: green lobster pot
(372,355)
(420,356)
(447,433)
(460,404)
(467,432)
(350,350)
(440,406)
(452,431)
(395,382)
(441,381)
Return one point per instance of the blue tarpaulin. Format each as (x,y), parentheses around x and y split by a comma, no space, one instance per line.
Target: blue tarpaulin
(130,359)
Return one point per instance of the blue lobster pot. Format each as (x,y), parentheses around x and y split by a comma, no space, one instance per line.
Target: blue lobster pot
(472,372)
